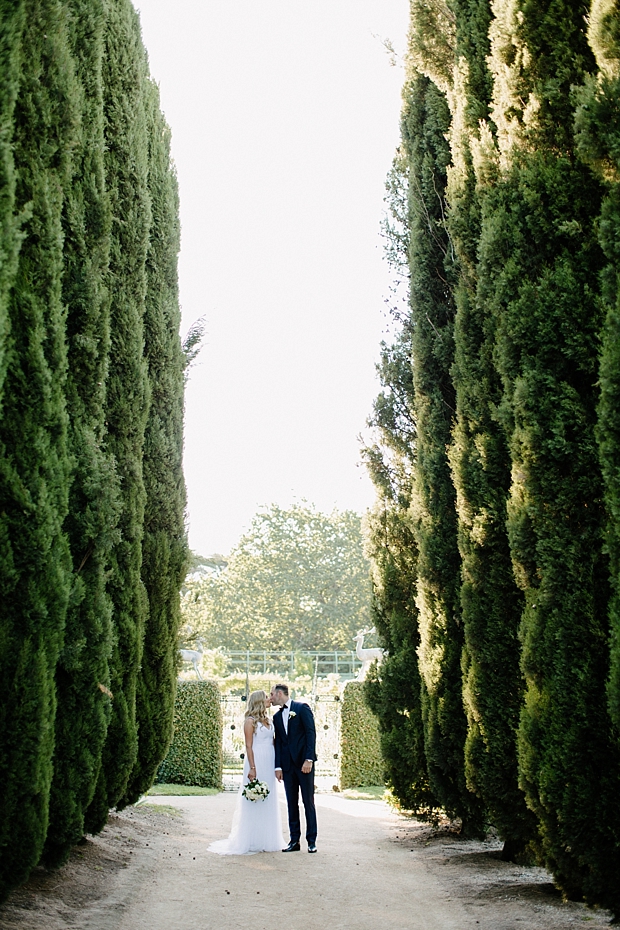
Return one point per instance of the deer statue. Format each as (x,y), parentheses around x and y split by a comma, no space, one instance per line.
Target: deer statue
(194,656)
(366,656)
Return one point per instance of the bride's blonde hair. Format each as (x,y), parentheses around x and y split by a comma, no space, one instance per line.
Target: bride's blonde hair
(256,707)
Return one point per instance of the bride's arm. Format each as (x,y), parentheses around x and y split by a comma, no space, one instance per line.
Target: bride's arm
(248,732)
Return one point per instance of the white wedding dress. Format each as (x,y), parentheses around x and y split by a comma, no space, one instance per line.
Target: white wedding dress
(257,825)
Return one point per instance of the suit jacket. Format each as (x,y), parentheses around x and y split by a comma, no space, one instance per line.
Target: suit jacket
(299,744)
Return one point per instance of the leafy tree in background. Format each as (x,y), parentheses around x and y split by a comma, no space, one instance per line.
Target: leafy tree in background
(164,546)
(34,466)
(539,262)
(125,82)
(297,580)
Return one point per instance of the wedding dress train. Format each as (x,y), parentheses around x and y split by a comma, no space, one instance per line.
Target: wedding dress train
(257,825)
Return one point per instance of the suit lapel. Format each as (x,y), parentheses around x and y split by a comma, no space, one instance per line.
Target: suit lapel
(280,723)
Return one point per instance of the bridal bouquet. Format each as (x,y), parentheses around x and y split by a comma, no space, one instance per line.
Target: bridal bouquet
(255,790)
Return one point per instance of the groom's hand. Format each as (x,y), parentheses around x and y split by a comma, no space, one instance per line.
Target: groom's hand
(307,767)
(279,774)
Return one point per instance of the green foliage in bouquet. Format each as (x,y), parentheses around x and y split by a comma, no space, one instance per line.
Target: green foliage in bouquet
(195,754)
(361,762)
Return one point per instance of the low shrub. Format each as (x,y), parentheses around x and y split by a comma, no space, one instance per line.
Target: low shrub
(195,754)
(361,763)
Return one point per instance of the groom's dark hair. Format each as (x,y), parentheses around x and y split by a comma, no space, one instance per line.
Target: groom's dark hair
(282,688)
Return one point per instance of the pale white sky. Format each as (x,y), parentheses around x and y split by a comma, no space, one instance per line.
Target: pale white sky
(285,119)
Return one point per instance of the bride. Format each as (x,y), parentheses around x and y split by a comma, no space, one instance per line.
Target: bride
(257,825)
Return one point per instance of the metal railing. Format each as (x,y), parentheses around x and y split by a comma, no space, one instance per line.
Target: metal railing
(290,664)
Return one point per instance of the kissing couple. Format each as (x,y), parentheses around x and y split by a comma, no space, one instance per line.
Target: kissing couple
(282,748)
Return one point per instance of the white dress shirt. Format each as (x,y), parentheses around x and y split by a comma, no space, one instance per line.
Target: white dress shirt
(286,709)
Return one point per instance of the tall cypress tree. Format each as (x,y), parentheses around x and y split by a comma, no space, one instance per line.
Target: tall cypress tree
(82,674)
(164,548)
(490,599)
(598,137)
(426,120)
(126,173)
(393,691)
(11,26)
(34,474)
(539,260)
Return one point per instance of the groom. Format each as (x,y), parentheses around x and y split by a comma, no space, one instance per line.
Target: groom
(295,758)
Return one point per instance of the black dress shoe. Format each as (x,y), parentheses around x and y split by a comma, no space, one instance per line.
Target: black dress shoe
(292,847)
(312,848)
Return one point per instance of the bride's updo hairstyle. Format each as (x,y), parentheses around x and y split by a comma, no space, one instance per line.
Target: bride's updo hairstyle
(257,708)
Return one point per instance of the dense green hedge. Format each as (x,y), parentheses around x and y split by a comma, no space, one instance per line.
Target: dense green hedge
(513,232)
(195,754)
(92,498)
(360,742)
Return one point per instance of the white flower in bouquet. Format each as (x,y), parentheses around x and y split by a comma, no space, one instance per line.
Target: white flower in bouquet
(255,790)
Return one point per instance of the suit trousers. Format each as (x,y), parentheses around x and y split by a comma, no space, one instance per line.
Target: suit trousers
(294,782)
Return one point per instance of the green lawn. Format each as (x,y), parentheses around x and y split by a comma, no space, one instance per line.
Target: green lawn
(181,791)
(370,793)
(159,808)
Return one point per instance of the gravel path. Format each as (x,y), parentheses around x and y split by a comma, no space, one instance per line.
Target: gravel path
(150,870)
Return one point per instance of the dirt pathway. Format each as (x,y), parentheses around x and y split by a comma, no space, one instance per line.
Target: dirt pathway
(150,871)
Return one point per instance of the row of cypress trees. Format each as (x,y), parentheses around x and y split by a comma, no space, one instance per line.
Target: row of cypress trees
(497,570)
(92,497)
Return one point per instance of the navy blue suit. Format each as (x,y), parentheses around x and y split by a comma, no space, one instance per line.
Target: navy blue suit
(292,750)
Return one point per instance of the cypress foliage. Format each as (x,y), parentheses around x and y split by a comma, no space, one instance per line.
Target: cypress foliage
(126,174)
(426,120)
(11,26)
(164,547)
(83,151)
(598,137)
(491,602)
(539,260)
(34,474)
(82,674)
(393,692)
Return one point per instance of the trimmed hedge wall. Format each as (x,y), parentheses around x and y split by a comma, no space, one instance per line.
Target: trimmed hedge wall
(360,743)
(195,754)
